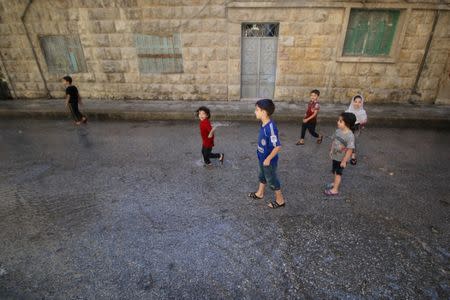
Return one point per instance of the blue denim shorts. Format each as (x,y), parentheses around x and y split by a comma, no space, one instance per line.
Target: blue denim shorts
(268,175)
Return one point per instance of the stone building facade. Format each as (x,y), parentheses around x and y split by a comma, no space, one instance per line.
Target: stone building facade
(391,51)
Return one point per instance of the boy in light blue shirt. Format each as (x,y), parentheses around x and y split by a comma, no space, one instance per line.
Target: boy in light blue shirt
(268,148)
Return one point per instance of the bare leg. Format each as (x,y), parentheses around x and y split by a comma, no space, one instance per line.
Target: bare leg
(261,190)
(279,197)
(336,183)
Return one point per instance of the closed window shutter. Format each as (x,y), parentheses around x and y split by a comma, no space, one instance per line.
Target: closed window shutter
(370,32)
(63,54)
(159,54)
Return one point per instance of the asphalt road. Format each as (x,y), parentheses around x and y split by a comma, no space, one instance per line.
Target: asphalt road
(122,210)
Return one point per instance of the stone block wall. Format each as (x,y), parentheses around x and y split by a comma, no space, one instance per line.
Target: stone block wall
(307,58)
(106,30)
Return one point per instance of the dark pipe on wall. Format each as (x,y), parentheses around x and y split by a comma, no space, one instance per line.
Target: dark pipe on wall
(22,18)
(425,55)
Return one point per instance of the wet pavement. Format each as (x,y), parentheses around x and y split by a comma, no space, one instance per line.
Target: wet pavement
(123,210)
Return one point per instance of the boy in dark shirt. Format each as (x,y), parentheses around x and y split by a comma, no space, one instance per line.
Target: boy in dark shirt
(268,147)
(207,133)
(72,100)
(310,119)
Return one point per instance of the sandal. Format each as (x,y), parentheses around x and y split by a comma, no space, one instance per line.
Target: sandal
(329,186)
(300,142)
(222,158)
(319,140)
(274,204)
(330,193)
(253,195)
(353,161)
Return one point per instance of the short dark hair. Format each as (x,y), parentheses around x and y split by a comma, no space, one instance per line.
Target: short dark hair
(357,97)
(205,109)
(317,92)
(68,79)
(267,105)
(349,119)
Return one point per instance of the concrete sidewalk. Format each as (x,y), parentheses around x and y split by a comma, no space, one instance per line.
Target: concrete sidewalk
(396,115)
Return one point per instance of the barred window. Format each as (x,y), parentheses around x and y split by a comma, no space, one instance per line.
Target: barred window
(159,54)
(260,30)
(63,54)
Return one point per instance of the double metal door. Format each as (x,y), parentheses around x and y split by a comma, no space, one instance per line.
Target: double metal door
(259,63)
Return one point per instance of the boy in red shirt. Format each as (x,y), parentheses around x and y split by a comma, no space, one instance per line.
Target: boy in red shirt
(207,133)
(310,119)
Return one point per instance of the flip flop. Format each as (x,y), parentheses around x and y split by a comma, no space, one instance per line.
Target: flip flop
(330,193)
(329,186)
(319,140)
(353,161)
(300,143)
(253,195)
(276,205)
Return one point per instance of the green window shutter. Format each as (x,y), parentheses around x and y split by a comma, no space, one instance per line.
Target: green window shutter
(370,32)
(159,54)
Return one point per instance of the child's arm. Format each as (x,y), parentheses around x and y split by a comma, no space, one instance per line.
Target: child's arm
(211,133)
(347,156)
(67,99)
(306,120)
(272,154)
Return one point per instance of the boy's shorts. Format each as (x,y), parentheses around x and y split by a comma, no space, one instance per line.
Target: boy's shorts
(337,169)
(268,175)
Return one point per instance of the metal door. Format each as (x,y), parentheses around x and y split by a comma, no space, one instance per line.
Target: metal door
(259,60)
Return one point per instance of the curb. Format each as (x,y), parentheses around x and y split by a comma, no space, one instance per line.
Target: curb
(401,122)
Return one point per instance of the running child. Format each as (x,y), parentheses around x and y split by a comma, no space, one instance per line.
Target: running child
(207,133)
(310,119)
(73,99)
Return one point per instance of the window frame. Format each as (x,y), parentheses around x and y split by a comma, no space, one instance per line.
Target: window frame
(397,41)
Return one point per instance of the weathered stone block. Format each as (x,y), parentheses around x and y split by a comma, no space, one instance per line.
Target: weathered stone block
(115,77)
(221,53)
(287,41)
(102,27)
(218,67)
(104,14)
(132,13)
(347,69)
(234,92)
(378,69)
(430,83)
(217,11)
(121,40)
(111,66)
(312,54)
(234,53)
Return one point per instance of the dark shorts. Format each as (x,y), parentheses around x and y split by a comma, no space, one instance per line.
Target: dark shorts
(337,169)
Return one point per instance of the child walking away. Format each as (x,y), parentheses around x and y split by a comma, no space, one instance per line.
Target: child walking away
(268,148)
(341,149)
(207,133)
(310,119)
(356,107)
(72,100)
